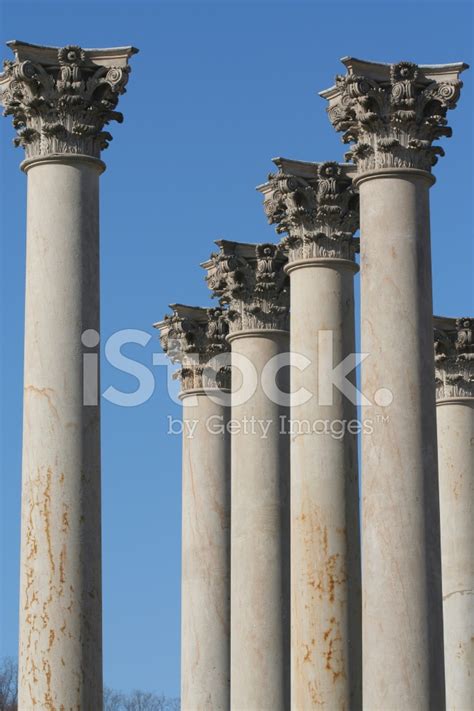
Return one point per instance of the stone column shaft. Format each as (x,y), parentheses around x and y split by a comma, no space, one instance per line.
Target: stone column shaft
(325,554)
(60,605)
(60,100)
(400,504)
(250,280)
(325,542)
(192,336)
(260,576)
(454,356)
(393,114)
(205,583)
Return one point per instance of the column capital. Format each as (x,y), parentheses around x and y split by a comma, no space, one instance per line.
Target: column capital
(191,336)
(61,98)
(454,357)
(393,113)
(250,280)
(316,205)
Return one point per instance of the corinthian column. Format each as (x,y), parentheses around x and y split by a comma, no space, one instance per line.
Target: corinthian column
(193,336)
(250,280)
(60,100)
(315,204)
(454,367)
(393,114)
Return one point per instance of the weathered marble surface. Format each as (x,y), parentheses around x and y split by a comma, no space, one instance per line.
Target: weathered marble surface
(260,578)
(456,485)
(192,336)
(393,115)
(325,536)
(316,206)
(249,279)
(454,359)
(205,582)
(60,661)
(401,566)
(60,99)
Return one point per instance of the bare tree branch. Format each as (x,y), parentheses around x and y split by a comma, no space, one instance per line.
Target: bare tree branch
(8,685)
(113,700)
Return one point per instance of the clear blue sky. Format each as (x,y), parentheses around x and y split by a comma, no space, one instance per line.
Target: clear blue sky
(217,90)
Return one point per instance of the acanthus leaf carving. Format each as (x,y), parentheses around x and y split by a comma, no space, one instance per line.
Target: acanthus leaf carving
(317,207)
(392,114)
(454,357)
(193,336)
(61,99)
(249,279)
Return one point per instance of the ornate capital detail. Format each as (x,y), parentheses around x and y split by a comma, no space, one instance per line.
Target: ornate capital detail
(250,280)
(454,357)
(393,113)
(61,99)
(316,205)
(192,336)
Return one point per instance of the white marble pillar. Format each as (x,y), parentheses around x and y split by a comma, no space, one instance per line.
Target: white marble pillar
(60,100)
(193,336)
(454,365)
(250,279)
(393,113)
(325,538)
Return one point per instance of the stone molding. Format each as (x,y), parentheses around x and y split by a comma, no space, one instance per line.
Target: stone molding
(390,173)
(316,205)
(192,336)
(454,357)
(61,98)
(64,159)
(250,280)
(393,113)
(323,263)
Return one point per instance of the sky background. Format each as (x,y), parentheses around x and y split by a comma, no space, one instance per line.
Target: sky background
(218,89)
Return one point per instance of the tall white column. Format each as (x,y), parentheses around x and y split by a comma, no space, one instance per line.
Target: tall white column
(393,113)
(454,364)
(250,279)
(60,101)
(318,208)
(193,336)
